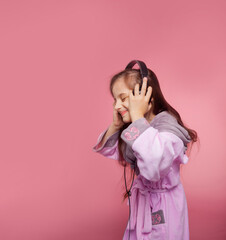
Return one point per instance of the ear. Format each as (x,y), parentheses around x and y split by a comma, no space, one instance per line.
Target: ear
(149,106)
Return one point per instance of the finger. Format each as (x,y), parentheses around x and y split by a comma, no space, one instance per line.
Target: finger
(130,93)
(136,89)
(148,95)
(144,86)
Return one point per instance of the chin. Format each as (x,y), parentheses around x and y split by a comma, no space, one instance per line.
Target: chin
(126,119)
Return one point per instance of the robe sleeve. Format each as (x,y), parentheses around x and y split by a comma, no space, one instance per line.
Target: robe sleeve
(155,151)
(110,147)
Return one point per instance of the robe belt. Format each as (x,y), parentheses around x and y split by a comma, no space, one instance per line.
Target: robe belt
(140,207)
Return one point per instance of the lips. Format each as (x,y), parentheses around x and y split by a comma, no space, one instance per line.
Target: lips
(123,113)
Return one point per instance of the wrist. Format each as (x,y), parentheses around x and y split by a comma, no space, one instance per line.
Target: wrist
(136,116)
(115,128)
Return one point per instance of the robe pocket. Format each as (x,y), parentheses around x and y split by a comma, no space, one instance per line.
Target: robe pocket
(159,231)
(158,217)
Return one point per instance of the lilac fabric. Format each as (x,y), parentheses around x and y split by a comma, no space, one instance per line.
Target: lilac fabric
(158,203)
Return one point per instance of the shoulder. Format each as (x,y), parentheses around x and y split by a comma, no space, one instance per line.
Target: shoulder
(166,122)
(163,119)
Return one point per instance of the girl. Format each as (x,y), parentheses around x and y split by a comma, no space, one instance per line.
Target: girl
(148,135)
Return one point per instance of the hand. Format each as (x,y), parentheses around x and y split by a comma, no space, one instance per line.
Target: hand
(138,103)
(117,119)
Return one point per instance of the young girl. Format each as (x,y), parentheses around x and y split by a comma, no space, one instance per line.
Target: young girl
(148,135)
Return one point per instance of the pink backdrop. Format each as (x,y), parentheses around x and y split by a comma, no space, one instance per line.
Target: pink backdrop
(56,60)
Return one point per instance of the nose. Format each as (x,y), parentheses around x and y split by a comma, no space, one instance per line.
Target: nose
(117,105)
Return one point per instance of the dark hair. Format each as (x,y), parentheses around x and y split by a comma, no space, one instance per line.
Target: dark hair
(131,77)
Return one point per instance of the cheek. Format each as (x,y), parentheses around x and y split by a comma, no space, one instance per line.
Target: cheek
(126,105)
(126,102)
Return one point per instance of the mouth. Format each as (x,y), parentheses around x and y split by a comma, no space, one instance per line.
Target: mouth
(123,113)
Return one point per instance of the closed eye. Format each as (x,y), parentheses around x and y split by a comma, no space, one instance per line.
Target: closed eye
(122,99)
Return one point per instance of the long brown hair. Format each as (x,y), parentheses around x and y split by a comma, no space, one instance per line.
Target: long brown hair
(131,77)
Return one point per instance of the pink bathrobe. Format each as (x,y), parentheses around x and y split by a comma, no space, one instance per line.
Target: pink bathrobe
(158,204)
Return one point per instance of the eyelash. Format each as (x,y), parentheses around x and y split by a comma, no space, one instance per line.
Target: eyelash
(123,99)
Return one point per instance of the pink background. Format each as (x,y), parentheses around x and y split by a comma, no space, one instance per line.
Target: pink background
(56,61)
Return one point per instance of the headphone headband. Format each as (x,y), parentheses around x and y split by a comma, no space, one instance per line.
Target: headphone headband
(142,66)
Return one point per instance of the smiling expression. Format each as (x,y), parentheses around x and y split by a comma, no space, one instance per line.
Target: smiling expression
(121,99)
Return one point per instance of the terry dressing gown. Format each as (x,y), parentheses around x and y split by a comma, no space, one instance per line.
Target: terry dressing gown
(158,203)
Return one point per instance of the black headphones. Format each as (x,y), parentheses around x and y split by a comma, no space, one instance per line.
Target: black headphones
(144,73)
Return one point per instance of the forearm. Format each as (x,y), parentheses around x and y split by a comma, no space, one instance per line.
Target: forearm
(111,130)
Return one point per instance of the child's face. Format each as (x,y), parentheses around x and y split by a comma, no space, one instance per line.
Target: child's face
(121,99)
